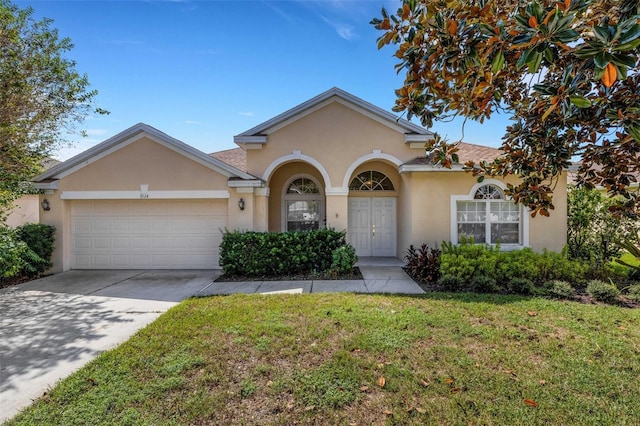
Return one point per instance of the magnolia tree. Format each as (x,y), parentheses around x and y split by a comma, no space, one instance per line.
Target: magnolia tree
(565,71)
(42,97)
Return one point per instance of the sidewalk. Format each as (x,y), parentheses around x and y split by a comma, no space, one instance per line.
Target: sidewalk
(380,275)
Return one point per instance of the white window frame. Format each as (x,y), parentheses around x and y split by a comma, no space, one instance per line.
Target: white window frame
(524,216)
(301,197)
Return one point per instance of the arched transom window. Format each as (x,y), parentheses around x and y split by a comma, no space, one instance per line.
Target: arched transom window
(302,205)
(371,180)
(489,217)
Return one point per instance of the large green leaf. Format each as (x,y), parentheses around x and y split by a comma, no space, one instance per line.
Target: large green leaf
(580,101)
(498,62)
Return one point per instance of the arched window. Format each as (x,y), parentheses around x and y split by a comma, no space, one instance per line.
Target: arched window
(302,205)
(371,180)
(489,217)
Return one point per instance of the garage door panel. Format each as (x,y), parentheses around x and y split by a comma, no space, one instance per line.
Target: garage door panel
(81,224)
(146,233)
(102,243)
(80,243)
(121,225)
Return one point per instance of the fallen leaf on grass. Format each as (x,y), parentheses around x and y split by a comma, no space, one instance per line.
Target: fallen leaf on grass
(382,381)
(622,327)
(424,383)
(455,390)
(530,402)
(388,413)
(448,381)
(421,410)
(532,313)
(543,382)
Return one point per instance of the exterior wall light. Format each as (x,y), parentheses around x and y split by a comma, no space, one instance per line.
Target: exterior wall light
(45,205)
(241,203)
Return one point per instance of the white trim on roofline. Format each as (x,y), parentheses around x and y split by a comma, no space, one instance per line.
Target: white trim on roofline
(250,139)
(142,194)
(409,138)
(241,183)
(46,185)
(323,99)
(130,135)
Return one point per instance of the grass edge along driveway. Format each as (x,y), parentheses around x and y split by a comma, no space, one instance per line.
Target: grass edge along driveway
(361,359)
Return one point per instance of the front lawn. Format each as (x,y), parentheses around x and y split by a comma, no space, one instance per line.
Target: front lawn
(359,359)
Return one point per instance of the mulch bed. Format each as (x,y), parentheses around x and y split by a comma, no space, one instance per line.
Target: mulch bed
(10,282)
(354,275)
(580,297)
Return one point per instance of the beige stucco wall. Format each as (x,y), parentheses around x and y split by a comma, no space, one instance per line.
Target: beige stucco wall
(551,232)
(144,162)
(26,209)
(426,212)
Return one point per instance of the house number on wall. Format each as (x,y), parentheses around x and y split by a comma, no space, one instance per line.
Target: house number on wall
(144,194)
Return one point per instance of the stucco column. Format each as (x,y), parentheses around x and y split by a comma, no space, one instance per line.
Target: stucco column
(261,209)
(337,212)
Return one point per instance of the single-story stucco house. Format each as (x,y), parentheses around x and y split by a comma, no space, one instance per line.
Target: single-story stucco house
(143,199)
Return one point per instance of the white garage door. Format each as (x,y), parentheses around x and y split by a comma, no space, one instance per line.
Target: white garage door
(156,234)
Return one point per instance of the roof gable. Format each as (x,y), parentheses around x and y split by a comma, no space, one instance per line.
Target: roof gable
(131,135)
(259,133)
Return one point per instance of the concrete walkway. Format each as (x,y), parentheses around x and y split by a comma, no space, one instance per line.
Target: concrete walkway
(53,326)
(376,279)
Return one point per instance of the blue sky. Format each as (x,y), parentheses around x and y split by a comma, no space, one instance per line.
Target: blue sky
(204,71)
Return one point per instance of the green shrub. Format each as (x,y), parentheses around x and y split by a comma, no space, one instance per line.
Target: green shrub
(633,292)
(593,233)
(466,260)
(560,289)
(423,264)
(483,284)
(602,291)
(278,253)
(16,258)
(520,286)
(40,238)
(451,283)
(343,259)
(510,270)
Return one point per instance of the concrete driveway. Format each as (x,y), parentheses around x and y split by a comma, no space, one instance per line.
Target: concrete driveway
(53,326)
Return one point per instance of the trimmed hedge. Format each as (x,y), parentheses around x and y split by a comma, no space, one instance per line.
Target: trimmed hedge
(260,254)
(483,268)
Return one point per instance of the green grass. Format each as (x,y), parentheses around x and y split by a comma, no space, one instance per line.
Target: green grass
(319,359)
